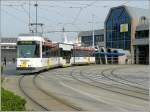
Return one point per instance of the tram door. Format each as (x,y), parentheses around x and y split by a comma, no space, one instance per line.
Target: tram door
(66,55)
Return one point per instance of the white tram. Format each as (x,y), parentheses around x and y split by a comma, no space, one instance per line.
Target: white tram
(34,53)
(83,55)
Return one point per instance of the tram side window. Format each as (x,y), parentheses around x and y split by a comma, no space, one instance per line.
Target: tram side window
(53,52)
(45,52)
(62,53)
(83,53)
(72,53)
(37,51)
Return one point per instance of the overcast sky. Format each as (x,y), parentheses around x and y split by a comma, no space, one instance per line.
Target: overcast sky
(73,15)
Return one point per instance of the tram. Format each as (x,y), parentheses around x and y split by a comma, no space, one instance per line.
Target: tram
(83,55)
(35,53)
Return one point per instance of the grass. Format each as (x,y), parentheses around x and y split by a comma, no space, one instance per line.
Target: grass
(11,102)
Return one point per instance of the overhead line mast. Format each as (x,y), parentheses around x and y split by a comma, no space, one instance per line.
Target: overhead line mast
(29,16)
(36,5)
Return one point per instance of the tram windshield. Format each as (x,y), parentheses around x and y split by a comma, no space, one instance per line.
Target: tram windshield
(28,49)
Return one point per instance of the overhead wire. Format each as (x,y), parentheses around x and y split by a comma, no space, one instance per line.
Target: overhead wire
(79,12)
(60,15)
(10,14)
(81,9)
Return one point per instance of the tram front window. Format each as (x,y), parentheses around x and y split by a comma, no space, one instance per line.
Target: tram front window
(28,49)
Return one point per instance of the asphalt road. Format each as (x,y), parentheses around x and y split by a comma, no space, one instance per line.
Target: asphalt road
(121,88)
(10,69)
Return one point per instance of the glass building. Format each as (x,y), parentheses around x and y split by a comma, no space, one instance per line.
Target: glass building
(120,27)
(115,38)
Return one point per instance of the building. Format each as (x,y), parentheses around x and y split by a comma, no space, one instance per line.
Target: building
(120,28)
(8,48)
(86,38)
(141,44)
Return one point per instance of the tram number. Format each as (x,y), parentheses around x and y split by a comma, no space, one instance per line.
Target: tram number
(24,64)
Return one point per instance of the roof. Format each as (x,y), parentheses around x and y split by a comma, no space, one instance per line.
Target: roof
(133,12)
(89,33)
(8,40)
(30,34)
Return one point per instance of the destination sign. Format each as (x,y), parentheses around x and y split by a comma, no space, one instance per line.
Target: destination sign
(26,42)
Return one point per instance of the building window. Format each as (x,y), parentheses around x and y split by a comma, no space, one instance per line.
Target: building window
(142,34)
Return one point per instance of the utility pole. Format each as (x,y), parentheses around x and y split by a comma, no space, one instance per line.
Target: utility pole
(149,38)
(36,5)
(0,22)
(29,16)
(93,30)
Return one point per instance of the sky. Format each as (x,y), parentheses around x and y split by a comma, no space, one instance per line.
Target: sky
(72,15)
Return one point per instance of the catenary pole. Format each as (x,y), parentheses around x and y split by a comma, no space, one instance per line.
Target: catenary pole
(29,17)
(36,5)
(93,30)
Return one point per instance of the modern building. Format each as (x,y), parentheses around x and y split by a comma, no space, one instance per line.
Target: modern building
(8,48)
(120,28)
(86,38)
(141,44)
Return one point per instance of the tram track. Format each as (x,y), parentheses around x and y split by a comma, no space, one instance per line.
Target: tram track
(107,87)
(119,81)
(55,97)
(126,88)
(121,78)
(132,84)
(86,79)
(48,95)
(28,96)
(115,86)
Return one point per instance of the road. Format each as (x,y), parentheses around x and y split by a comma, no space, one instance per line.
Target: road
(10,69)
(121,88)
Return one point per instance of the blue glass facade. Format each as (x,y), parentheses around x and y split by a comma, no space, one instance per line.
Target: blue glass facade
(114,37)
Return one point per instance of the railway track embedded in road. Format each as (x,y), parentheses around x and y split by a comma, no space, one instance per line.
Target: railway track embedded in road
(140,92)
(130,84)
(118,87)
(28,96)
(55,97)
(120,81)
(48,94)
(121,78)
(108,87)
